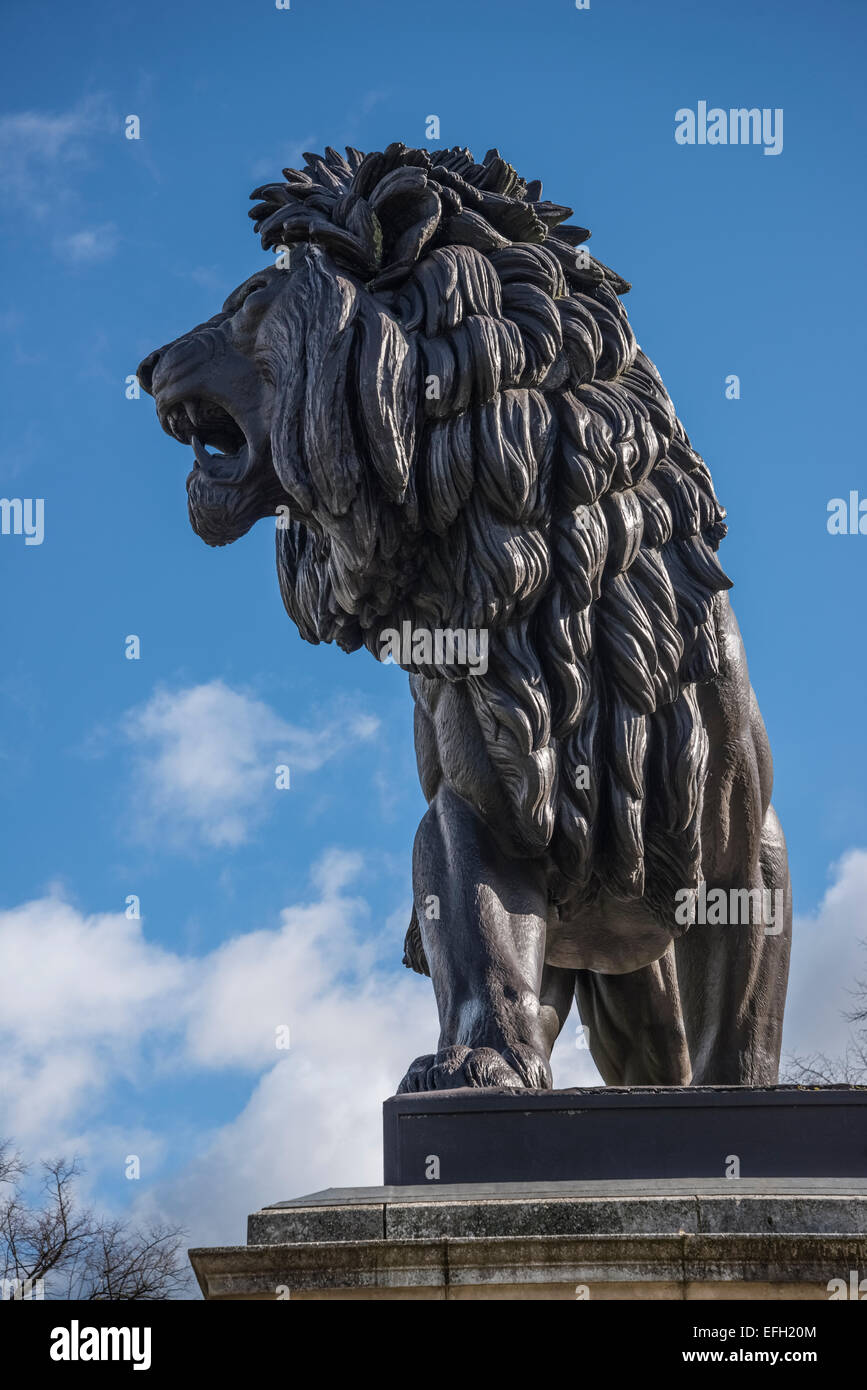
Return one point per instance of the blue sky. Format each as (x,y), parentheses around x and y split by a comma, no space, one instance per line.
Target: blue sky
(152,777)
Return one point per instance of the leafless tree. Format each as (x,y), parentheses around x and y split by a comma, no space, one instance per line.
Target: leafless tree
(850,1066)
(79,1255)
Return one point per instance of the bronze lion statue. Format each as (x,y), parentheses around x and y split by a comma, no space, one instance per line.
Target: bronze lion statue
(436,392)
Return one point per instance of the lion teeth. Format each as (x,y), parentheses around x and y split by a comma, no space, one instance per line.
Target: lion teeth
(201,453)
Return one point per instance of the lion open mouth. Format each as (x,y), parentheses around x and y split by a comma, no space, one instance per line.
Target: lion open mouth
(203,424)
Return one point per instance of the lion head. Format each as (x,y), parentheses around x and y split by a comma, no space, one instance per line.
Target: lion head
(437,393)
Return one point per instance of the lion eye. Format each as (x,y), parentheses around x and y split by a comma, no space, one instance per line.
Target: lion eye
(242,299)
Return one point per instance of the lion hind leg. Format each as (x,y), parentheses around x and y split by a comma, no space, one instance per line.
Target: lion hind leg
(634,1025)
(733,977)
(556,996)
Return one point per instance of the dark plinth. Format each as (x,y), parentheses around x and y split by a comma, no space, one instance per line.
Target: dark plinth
(613,1133)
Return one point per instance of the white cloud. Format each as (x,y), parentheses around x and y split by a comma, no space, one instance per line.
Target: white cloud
(78,995)
(208,754)
(88,245)
(828,958)
(87,1002)
(314,1119)
(571,1062)
(40,149)
(266,980)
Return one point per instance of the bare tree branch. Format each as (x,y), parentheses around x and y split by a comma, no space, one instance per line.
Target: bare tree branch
(850,1068)
(77,1254)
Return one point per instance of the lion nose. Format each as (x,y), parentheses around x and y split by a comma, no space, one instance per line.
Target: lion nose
(146,369)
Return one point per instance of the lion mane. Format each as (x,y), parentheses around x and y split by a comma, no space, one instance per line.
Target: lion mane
(471,438)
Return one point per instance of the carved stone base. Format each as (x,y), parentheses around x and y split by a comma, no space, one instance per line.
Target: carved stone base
(670,1239)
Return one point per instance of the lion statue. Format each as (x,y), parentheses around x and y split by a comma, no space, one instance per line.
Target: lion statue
(436,392)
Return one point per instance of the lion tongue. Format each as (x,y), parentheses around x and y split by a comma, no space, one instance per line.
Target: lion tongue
(223,468)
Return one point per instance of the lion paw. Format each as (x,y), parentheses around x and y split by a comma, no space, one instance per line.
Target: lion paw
(517,1067)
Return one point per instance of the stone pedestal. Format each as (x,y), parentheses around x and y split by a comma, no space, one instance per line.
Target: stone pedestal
(671,1238)
(647,1193)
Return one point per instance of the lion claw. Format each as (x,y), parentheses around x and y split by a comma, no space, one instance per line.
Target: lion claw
(518,1068)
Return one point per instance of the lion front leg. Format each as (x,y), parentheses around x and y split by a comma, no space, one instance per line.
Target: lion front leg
(483,922)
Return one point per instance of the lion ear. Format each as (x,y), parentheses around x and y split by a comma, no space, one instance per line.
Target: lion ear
(388,395)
